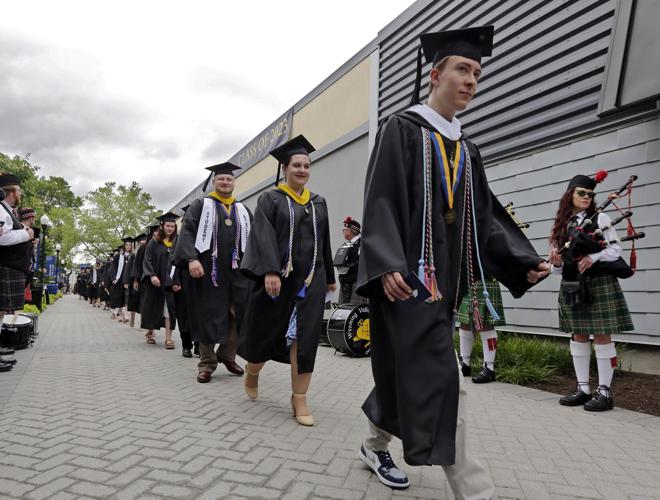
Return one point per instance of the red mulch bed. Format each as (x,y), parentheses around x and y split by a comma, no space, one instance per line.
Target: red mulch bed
(632,391)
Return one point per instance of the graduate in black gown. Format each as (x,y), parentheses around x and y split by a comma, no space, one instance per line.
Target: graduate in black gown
(131,283)
(158,309)
(106,281)
(289,257)
(118,275)
(175,284)
(139,263)
(426,196)
(213,238)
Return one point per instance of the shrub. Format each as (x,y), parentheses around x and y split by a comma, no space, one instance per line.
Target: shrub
(524,359)
(29,308)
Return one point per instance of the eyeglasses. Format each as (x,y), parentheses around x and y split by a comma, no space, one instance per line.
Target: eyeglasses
(582,193)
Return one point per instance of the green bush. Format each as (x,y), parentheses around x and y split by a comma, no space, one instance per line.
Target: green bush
(524,359)
(29,308)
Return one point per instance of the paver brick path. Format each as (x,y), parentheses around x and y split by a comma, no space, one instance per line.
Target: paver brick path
(92,411)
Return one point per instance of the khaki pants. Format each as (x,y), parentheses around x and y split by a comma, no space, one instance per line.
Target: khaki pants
(469,480)
(209,357)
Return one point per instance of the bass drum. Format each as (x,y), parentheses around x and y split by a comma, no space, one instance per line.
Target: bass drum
(348,330)
(16,331)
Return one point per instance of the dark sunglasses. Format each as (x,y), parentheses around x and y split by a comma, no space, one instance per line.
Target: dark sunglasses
(582,193)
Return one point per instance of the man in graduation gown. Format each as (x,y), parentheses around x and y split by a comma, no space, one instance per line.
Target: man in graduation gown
(425,199)
(138,263)
(211,244)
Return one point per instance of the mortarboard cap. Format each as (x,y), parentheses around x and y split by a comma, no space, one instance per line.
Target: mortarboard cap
(472,43)
(299,145)
(127,239)
(168,217)
(141,236)
(226,168)
(185,208)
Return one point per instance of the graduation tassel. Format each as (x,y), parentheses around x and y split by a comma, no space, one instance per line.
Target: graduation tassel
(431,284)
(234,260)
(477,321)
(421,270)
(489,305)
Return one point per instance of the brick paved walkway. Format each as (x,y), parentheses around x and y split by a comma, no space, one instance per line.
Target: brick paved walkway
(92,411)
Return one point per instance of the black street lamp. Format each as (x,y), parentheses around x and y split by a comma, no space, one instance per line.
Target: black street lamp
(58,247)
(45,222)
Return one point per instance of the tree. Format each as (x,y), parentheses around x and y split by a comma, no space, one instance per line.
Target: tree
(50,196)
(112,212)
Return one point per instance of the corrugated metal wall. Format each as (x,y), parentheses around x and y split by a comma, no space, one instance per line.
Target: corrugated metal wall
(544,77)
(535,121)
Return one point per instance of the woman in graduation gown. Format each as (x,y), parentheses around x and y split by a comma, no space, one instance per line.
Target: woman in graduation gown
(133,293)
(118,291)
(289,257)
(158,308)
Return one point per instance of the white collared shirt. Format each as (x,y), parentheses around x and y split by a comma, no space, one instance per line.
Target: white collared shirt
(10,236)
(450,129)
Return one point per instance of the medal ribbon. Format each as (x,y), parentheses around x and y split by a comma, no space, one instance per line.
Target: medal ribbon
(449,182)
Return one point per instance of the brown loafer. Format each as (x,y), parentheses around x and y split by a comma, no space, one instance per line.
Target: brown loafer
(232,367)
(204,377)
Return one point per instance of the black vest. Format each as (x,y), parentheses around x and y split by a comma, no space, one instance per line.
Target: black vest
(16,256)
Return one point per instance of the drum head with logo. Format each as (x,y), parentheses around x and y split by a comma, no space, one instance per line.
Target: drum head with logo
(348,330)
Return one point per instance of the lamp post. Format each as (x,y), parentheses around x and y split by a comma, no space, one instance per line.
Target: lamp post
(58,247)
(45,222)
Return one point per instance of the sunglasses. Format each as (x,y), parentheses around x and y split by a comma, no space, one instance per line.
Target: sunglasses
(582,193)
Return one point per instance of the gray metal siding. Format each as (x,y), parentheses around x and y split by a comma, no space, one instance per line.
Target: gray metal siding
(544,77)
(536,181)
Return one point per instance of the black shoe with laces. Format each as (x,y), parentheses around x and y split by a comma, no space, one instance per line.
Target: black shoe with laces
(577,398)
(466,369)
(186,353)
(484,376)
(602,400)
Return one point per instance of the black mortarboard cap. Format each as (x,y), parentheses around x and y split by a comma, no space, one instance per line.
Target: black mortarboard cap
(299,145)
(168,217)
(141,236)
(185,208)
(473,43)
(127,239)
(226,168)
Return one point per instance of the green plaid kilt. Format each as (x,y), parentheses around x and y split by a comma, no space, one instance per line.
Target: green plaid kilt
(464,316)
(606,315)
(12,289)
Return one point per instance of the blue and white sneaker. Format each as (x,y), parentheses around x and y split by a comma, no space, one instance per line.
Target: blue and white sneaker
(386,470)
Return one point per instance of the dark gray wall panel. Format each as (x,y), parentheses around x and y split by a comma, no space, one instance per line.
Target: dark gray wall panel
(542,82)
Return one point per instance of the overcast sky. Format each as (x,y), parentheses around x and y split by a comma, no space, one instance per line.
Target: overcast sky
(154,91)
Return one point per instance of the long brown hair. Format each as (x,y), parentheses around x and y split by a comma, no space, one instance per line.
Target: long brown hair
(160,234)
(559,233)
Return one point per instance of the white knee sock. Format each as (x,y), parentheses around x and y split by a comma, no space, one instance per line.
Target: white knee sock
(606,359)
(489,345)
(466,338)
(581,352)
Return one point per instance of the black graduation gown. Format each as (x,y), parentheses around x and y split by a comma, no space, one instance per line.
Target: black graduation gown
(117,288)
(208,305)
(267,320)
(132,297)
(106,282)
(412,353)
(156,263)
(136,274)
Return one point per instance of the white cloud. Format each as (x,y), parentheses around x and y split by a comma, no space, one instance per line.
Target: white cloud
(154,91)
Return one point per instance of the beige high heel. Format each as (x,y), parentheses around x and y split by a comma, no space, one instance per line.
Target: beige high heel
(251,392)
(307,420)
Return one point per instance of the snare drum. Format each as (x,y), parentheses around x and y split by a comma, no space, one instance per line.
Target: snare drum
(348,330)
(16,331)
(35,322)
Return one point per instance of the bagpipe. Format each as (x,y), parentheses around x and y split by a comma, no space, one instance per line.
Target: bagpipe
(588,238)
(509,209)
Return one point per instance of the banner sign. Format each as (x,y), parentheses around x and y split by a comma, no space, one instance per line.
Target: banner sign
(258,148)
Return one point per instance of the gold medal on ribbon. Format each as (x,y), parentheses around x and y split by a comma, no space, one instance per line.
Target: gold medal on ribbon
(449,182)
